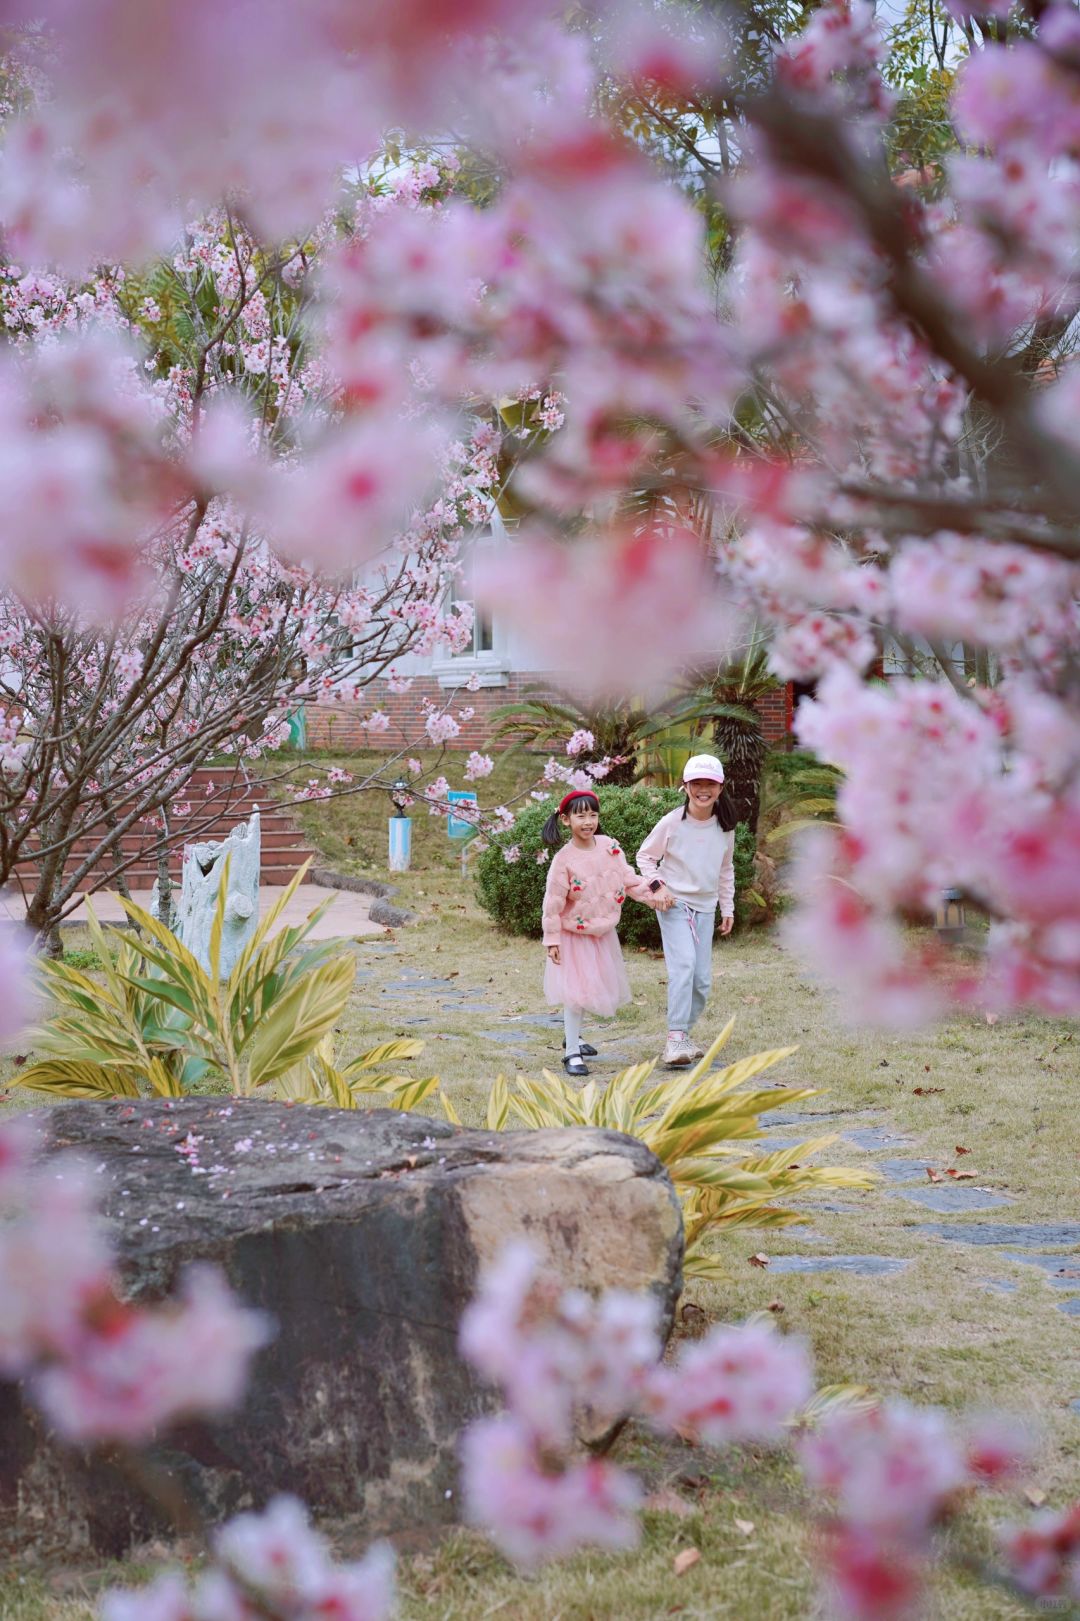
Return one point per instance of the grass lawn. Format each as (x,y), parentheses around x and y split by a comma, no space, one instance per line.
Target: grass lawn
(934,1332)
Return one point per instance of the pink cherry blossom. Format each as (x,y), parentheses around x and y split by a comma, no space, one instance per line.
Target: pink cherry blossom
(738,1384)
(148,1369)
(872,1578)
(1043,1556)
(274,1564)
(100,1368)
(892,1469)
(477,766)
(532,1514)
(18,1001)
(621,609)
(441,728)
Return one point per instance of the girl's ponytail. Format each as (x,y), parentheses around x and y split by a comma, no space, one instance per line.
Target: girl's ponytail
(551,832)
(724,810)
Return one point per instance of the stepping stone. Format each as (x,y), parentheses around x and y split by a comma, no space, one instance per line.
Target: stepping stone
(833,1207)
(799,1117)
(1068,1265)
(873,1139)
(947,1199)
(1021,1234)
(774,1145)
(546,1021)
(1075,1404)
(998,1286)
(903,1170)
(475,1007)
(1071,1308)
(863,1266)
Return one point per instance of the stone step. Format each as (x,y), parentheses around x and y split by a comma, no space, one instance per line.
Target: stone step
(274,873)
(277,836)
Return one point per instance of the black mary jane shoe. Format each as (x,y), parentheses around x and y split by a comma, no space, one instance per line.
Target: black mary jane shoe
(586,1051)
(574,1064)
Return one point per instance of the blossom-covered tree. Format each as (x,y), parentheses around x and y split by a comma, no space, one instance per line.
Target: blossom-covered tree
(107,713)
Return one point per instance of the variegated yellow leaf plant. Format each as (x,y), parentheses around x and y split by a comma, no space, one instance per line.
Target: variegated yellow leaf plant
(704,1127)
(159,1022)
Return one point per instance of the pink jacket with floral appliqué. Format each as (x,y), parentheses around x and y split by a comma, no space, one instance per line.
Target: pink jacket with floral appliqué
(586,890)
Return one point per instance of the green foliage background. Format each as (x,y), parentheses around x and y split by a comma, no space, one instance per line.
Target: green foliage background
(513,893)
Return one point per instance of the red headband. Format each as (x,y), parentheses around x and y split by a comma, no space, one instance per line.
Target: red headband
(577,793)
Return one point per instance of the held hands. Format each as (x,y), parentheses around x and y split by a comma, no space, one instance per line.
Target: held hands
(726,925)
(664,899)
(553,953)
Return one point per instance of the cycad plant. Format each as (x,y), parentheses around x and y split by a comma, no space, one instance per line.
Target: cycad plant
(704,1127)
(161,1022)
(542,719)
(736,688)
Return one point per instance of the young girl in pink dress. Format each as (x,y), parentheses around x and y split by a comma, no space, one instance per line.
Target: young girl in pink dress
(587,882)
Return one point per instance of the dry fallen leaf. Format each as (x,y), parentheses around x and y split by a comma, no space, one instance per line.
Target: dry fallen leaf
(745,1526)
(758,1260)
(962,1176)
(776,1306)
(935,1176)
(685,1561)
(960,1150)
(926,1091)
(1034,1496)
(991,1018)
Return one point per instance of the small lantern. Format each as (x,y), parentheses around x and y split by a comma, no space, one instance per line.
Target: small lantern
(949,919)
(400,826)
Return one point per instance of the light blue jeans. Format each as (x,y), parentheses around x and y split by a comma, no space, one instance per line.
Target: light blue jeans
(688,961)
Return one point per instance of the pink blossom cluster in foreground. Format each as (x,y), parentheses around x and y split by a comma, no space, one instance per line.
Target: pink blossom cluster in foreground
(273,1566)
(560,1357)
(891,1473)
(101,1369)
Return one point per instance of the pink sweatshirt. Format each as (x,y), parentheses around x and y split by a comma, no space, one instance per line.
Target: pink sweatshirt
(586,890)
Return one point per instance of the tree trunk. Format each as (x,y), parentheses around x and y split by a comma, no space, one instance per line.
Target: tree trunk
(165,909)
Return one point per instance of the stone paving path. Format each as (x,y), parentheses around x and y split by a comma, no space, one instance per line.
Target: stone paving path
(533,1040)
(346,919)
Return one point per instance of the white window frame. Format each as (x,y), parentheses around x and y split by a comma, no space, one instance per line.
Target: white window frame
(492,666)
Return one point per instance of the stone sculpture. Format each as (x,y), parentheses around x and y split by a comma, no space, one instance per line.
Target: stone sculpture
(203,870)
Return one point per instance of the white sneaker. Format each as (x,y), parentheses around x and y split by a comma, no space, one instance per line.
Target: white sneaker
(677,1053)
(696,1052)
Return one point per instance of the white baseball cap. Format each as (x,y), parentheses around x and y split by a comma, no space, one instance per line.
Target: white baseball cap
(703,767)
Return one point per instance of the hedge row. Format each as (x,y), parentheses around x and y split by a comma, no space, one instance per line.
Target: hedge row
(513,892)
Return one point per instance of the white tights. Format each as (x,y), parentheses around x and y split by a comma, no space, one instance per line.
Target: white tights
(572,1017)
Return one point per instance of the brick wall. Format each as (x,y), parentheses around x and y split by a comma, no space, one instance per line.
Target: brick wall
(337,726)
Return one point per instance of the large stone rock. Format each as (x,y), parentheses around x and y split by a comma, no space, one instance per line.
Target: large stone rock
(362,1235)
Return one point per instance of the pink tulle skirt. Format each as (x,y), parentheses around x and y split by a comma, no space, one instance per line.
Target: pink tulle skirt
(590,975)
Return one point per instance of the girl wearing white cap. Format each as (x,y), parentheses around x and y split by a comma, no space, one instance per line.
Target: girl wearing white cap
(691,852)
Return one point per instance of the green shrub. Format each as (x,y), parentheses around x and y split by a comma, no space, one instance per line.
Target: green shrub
(513,892)
(745,853)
